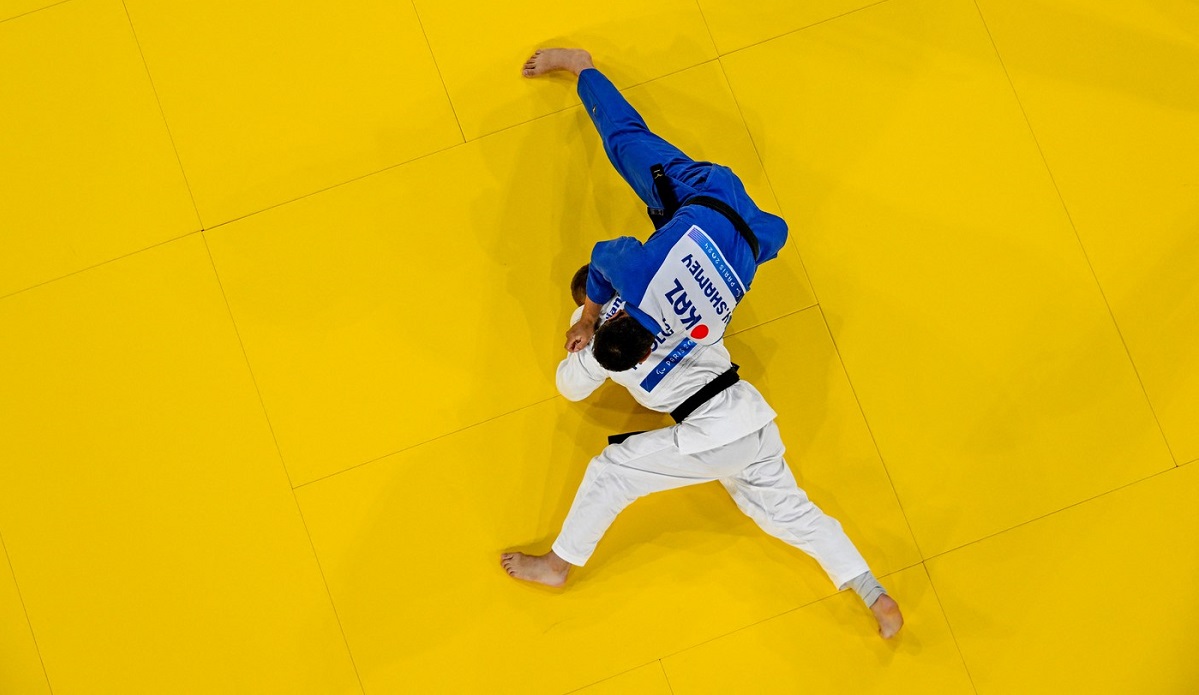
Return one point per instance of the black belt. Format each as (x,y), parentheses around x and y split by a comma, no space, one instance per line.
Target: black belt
(705,394)
(670,205)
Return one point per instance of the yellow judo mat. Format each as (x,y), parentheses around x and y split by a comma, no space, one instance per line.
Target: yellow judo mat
(283,287)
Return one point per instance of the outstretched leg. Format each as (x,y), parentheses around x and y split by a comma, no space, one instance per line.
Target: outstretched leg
(766,492)
(631,147)
(640,465)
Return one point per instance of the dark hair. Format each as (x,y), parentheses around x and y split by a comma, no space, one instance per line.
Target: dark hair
(621,343)
(578,284)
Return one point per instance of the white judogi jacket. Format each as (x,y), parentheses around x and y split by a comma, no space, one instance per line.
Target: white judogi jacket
(737,411)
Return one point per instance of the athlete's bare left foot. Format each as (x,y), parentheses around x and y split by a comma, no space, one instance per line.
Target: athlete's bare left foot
(575,60)
(886,612)
(548,569)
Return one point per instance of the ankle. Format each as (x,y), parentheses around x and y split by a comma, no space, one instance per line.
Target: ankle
(556,563)
(583,62)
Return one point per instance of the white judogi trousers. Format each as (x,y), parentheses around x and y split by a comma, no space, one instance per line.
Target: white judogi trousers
(751,468)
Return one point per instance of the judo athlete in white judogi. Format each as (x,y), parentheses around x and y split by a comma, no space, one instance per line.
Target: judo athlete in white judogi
(731,438)
(688,283)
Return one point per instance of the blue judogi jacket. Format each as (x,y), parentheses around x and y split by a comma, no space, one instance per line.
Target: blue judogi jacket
(684,282)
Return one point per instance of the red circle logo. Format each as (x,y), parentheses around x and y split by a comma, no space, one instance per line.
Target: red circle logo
(699,332)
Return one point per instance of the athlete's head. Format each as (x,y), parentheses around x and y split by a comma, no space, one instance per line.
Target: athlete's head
(622,343)
(578,284)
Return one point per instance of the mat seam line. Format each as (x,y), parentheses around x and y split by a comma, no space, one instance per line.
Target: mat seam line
(101,263)
(332,186)
(283,463)
(873,440)
(708,27)
(437,66)
(246,356)
(806,26)
(605,679)
(780,317)
(793,609)
(1051,513)
(34,11)
(957,645)
(803,266)
(25,609)
(328,591)
(162,112)
(427,441)
(666,676)
(1077,237)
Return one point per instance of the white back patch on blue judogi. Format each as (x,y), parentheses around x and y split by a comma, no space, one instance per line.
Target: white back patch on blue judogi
(692,297)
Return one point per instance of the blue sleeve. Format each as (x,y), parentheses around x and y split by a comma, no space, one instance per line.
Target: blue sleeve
(771,231)
(610,261)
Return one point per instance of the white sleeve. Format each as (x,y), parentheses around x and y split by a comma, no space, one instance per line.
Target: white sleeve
(579,375)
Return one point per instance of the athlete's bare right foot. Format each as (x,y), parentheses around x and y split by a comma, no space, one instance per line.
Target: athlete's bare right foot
(886,612)
(548,569)
(546,60)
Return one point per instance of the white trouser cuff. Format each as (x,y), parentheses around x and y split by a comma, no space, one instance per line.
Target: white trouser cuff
(576,560)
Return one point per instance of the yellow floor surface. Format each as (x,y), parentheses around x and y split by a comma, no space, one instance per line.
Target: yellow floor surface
(89,173)
(283,289)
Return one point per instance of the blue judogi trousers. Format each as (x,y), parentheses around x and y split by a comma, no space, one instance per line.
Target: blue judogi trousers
(634,150)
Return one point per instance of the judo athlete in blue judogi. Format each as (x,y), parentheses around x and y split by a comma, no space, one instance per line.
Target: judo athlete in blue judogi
(661,308)
(706,225)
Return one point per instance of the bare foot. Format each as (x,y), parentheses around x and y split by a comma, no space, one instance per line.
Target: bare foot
(886,612)
(546,60)
(548,569)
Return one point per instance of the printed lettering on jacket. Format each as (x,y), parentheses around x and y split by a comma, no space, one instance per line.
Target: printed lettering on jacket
(692,297)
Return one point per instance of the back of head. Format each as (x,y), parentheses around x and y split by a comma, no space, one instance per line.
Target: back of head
(621,343)
(578,284)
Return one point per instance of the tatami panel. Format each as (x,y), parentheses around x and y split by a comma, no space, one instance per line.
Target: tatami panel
(676,568)
(1112,92)
(269,102)
(88,171)
(970,324)
(826,647)
(734,25)
(21,669)
(481,47)
(148,518)
(1095,598)
(408,305)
